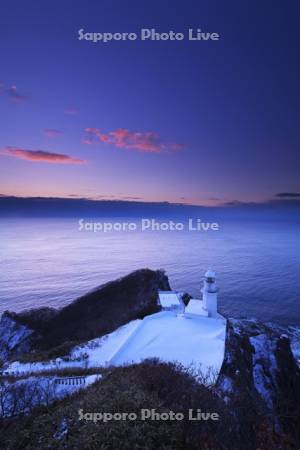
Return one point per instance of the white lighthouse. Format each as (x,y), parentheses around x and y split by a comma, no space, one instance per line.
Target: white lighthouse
(210,294)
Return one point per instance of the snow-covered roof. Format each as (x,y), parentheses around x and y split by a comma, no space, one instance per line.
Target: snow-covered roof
(195,306)
(167,299)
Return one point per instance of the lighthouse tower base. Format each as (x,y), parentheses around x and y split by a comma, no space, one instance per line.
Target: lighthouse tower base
(210,303)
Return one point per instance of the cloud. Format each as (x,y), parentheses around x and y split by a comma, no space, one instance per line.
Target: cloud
(130,197)
(288,195)
(71,111)
(12,93)
(118,197)
(52,133)
(88,141)
(15,95)
(122,138)
(41,156)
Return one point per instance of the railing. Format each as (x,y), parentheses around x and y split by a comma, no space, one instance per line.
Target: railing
(70,380)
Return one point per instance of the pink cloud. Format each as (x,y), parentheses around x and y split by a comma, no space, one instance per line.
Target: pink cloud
(41,156)
(87,141)
(147,142)
(50,132)
(71,111)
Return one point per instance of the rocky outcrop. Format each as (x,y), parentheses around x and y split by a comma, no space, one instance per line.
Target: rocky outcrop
(259,380)
(15,338)
(259,377)
(36,319)
(93,315)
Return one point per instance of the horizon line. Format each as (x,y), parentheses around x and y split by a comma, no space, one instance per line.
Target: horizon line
(153,202)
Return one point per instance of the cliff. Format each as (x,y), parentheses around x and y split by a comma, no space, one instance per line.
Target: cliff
(259,377)
(95,314)
(258,387)
(14,337)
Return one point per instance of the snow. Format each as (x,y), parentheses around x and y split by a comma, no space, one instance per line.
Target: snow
(295,343)
(169,299)
(62,430)
(164,335)
(62,390)
(264,366)
(22,395)
(195,307)
(198,341)
(96,352)
(18,368)
(227,387)
(12,334)
(188,341)
(100,351)
(226,384)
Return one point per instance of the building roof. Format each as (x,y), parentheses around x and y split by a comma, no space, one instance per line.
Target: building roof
(167,299)
(195,307)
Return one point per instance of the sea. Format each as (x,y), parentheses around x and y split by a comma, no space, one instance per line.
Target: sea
(52,261)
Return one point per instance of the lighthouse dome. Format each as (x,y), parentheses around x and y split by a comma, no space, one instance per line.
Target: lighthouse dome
(210,274)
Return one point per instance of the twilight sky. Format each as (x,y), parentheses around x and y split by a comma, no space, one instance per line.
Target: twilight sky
(180,121)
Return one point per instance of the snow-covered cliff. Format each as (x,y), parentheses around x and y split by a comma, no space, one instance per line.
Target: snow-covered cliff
(260,375)
(14,337)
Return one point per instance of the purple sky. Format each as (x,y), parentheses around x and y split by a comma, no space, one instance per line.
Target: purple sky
(194,122)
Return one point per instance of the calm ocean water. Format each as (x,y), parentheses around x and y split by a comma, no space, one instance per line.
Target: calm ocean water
(49,262)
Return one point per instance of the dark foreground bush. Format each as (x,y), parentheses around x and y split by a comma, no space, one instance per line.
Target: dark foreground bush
(150,385)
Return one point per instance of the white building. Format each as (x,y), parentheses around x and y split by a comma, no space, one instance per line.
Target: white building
(210,294)
(170,300)
(208,306)
(195,309)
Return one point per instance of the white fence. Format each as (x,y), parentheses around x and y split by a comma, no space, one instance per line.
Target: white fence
(70,380)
